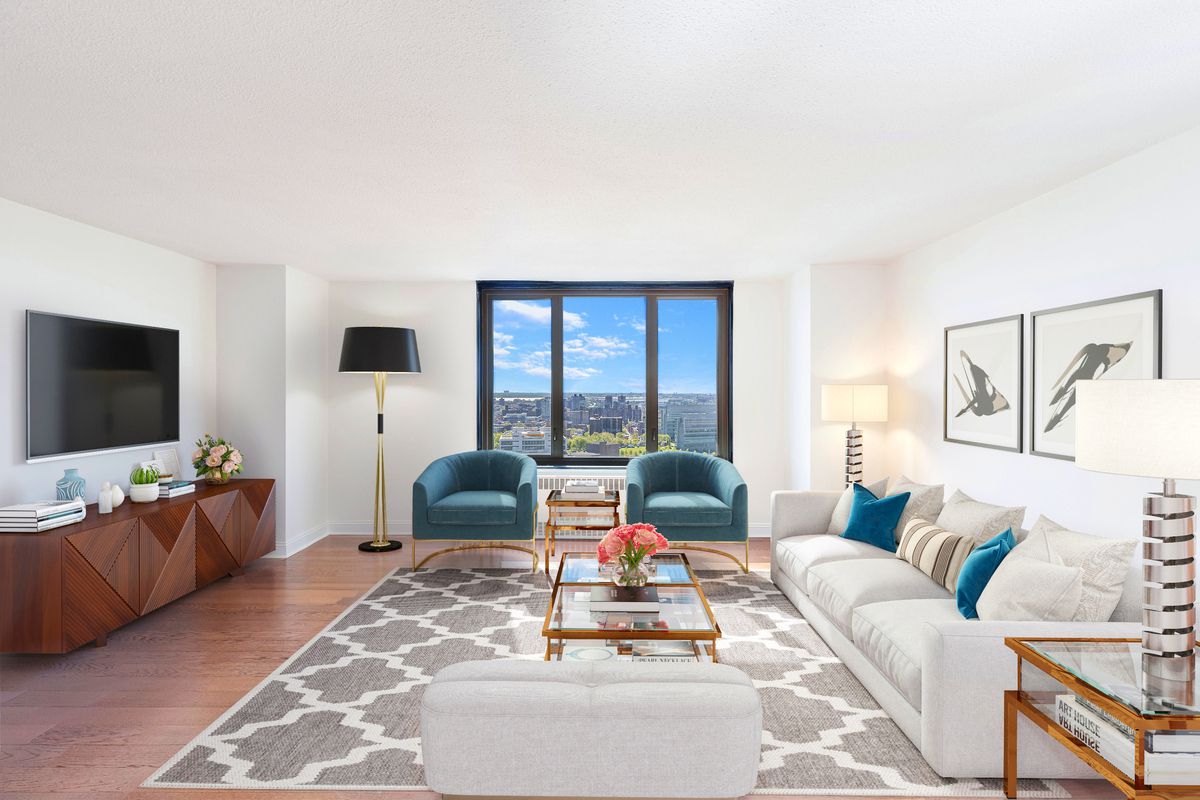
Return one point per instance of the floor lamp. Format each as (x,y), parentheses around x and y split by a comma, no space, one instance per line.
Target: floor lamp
(1151,428)
(379,351)
(854,403)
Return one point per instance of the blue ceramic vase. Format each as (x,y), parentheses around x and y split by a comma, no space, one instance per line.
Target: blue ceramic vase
(70,485)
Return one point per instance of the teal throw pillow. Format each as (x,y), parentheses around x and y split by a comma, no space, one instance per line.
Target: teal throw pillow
(978,569)
(873,520)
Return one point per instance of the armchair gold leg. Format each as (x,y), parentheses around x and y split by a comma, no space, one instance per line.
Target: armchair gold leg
(687,546)
(479,546)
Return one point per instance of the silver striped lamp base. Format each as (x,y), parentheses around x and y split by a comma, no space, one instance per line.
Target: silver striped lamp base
(1169,574)
(854,456)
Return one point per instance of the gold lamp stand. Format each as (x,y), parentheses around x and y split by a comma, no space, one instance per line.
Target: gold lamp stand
(380,543)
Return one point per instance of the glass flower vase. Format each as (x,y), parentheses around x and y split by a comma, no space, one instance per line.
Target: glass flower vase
(632,574)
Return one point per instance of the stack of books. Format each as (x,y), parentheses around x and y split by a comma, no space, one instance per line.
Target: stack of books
(175,489)
(582,488)
(37,517)
(1171,757)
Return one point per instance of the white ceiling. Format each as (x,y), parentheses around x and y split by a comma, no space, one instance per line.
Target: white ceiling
(516,139)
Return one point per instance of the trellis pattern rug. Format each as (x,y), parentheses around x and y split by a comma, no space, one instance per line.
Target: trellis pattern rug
(342,713)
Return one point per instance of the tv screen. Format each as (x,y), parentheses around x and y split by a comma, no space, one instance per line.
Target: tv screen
(96,385)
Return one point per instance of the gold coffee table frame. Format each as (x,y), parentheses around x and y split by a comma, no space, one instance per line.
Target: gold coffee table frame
(1019,702)
(698,638)
(556,504)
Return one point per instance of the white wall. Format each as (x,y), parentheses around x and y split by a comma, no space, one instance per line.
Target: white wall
(250,373)
(1130,227)
(427,415)
(306,394)
(52,264)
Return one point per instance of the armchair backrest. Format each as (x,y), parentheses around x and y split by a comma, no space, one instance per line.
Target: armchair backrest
(481,470)
(680,471)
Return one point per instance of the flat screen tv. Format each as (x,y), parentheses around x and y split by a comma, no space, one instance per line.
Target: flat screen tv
(97,385)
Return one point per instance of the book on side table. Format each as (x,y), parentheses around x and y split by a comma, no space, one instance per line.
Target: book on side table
(623,598)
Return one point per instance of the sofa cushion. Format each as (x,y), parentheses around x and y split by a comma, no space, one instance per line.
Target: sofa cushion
(841,512)
(839,587)
(925,501)
(664,509)
(1104,563)
(1031,589)
(939,554)
(873,519)
(475,508)
(978,570)
(796,555)
(891,636)
(962,514)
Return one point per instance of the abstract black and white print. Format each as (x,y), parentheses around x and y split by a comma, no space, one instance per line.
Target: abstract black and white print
(1111,339)
(983,383)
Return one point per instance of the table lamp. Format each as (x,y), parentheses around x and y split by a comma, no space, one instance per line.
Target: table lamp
(854,403)
(1151,428)
(379,351)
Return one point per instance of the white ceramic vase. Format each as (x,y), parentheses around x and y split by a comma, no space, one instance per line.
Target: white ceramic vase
(118,496)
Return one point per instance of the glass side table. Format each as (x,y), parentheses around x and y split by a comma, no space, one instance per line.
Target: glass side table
(569,513)
(1090,695)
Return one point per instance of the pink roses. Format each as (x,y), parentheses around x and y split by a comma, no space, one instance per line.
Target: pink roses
(630,544)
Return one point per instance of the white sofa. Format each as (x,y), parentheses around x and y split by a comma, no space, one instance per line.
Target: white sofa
(939,676)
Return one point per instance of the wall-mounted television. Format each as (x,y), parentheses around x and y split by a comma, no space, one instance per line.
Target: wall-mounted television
(94,385)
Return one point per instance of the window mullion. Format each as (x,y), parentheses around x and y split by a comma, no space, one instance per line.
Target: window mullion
(557,426)
(651,373)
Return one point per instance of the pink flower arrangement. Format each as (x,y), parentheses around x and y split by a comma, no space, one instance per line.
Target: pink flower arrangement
(630,544)
(216,460)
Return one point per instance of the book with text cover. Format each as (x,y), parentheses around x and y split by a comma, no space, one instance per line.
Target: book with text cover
(1112,744)
(623,598)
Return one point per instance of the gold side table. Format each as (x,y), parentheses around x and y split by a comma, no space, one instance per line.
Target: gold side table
(579,514)
(1103,677)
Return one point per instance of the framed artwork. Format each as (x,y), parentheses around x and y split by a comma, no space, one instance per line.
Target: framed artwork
(982,377)
(1114,339)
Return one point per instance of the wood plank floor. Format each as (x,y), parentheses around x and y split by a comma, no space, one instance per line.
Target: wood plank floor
(93,724)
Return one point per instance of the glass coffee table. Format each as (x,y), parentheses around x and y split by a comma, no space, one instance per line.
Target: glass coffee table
(683,627)
(1134,719)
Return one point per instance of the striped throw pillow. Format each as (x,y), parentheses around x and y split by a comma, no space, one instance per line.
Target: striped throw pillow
(938,553)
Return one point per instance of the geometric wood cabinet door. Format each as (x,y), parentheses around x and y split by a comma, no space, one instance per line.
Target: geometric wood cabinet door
(70,586)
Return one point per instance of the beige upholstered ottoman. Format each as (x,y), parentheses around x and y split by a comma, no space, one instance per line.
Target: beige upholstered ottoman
(549,729)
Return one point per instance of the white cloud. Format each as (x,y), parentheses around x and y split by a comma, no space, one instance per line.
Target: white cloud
(501,343)
(539,314)
(594,348)
(541,372)
(579,373)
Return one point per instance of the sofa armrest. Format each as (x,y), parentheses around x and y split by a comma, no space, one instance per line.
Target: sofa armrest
(965,671)
(635,492)
(434,483)
(801,513)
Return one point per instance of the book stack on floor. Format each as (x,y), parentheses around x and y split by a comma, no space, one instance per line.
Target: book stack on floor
(175,489)
(582,488)
(37,517)
(1172,757)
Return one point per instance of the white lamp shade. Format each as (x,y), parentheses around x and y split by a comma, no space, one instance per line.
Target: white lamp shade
(854,402)
(1146,427)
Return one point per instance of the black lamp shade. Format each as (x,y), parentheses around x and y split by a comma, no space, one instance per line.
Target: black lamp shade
(376,349)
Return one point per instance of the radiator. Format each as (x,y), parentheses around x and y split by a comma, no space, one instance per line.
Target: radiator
(547,482)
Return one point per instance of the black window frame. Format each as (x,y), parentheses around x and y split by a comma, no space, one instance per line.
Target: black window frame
(488,292)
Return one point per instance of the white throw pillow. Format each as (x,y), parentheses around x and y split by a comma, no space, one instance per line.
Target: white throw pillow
(1027,589)
(841,512)
(1104,563)
(925,502)
(962,514)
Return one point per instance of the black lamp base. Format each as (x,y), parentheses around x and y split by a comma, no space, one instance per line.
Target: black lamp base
(372,547)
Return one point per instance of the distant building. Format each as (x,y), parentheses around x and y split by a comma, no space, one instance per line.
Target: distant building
(530,442)
(691,424)
(605,424)
(603,449)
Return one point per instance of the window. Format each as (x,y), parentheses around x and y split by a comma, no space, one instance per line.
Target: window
(583,373)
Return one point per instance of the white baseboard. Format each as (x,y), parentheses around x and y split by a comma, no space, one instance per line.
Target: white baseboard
(759,530)
(290,548)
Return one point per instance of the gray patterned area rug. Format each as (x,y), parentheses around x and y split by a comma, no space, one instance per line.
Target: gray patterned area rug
(342,713)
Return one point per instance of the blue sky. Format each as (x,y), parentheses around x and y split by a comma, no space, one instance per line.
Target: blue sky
(605,345)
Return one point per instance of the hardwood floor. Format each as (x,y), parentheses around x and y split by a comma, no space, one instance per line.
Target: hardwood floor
(96,722)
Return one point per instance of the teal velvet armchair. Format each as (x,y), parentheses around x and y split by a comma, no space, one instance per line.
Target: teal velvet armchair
(482,496)
(690,498)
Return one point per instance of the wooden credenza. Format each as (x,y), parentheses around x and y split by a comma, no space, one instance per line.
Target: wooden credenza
(72,585)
